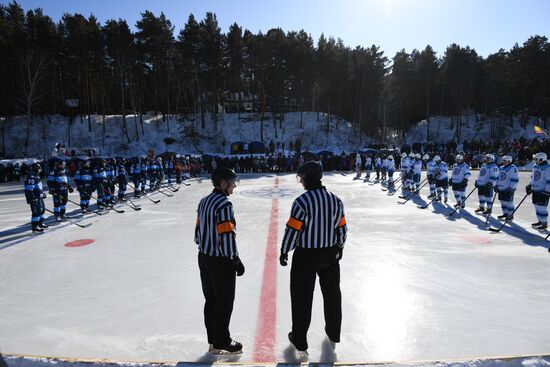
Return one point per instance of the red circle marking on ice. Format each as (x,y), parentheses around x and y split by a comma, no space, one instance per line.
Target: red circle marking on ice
(477,239)
(79,243)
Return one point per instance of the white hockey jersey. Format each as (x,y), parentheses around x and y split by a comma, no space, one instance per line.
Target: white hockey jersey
(441,171)
(488,173)
(540,178)
(461,172)
(508,177)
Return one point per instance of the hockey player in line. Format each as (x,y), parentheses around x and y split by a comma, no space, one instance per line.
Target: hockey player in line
(441,172)
(35,198)
(59,188)
(459,180)
(405,163)
(430,166)
(416,172)
(368,168)
(384,168)
(486,180)
(100,183)
(378,167)
(540,187)
(358,164)
(121,179)
(135,171)
(391,170)
(84,184)
(508,180)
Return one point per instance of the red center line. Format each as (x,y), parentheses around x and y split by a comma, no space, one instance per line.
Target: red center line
(264,344)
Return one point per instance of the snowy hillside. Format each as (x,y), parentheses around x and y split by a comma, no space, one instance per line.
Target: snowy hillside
(106,134)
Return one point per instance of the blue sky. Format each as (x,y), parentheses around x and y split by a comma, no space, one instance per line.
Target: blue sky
(485,25)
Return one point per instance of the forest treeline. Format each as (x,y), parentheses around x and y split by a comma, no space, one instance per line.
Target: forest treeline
(112,69)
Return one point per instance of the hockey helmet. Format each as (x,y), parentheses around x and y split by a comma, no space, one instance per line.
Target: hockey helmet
(403,155)
(411,155)
(417,156)
(489,158)
(459,158)
(36,167)
(437,159)
(426,157)
(223,173)
(390,157)
(506,160)
(540,157)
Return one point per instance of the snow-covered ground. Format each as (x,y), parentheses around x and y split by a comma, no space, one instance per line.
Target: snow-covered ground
(108,137)
(417,285)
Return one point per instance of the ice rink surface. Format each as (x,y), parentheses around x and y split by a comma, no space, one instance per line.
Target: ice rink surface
(416,285)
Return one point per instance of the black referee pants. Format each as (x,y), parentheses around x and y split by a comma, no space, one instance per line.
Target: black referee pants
(218,287)
(306,265)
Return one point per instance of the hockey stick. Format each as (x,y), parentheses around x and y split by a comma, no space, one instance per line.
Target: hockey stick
(164,193)
(431,201)
(394,182)
(109,205)
(397,189)
(489,215)
(459,205)
(412,194)
(71,221)
(173,189)
(508,216)
(91,211)
(414,191)
(145,194)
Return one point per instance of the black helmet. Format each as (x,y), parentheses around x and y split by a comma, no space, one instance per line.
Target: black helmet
(36,167)
(311,170)
(223,173)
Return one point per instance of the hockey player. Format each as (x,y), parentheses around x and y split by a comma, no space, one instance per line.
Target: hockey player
(135,172)
(59,188)
(405,163)
(384,168)
(121,179)
(218,260)
(459,180)
(144,173)
(169,169)
(110,172)
(409,180)
(391,170)
(441,172)
(378,167)
(358,164)
(35,198)
(430,166)
(368,167)
(486,181)
(540,187)
(416,172)
(100,182)
(84,184)
(160,172)
(508,179)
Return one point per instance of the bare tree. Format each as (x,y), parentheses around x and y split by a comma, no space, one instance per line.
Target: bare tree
(33,68)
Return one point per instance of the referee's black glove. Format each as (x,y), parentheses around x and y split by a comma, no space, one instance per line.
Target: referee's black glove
(238,266)
(340,252)
(283,259)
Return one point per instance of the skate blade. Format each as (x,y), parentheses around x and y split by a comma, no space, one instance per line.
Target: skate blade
(221,352)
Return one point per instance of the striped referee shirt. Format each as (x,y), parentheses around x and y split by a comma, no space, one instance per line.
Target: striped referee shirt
(316,220)
(215,229)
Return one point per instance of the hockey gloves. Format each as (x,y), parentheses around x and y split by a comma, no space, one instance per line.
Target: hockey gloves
(238,266)
(528,189)
(283,259)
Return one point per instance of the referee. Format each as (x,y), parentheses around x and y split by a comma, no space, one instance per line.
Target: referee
(218,260)
(316,231)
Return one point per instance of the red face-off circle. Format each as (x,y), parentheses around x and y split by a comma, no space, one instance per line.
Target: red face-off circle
(79,243)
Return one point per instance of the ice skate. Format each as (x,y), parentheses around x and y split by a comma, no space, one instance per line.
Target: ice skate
(234,347)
